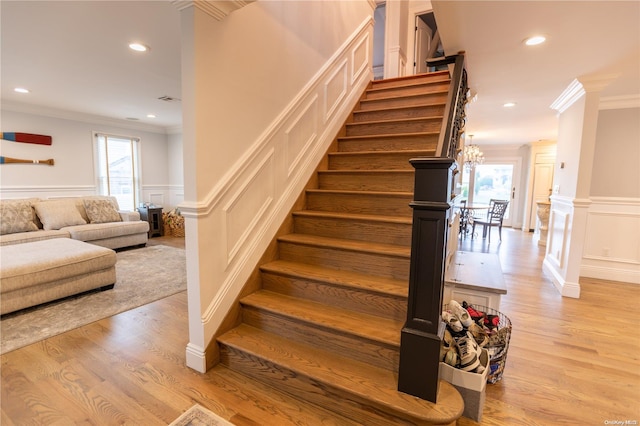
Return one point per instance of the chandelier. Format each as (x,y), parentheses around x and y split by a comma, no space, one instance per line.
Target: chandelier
(472,155)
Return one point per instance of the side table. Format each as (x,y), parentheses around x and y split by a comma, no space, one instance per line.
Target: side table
(153,215)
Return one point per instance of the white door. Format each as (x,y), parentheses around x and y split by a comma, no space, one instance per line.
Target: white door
(542,183)
(493,180)
(423,43)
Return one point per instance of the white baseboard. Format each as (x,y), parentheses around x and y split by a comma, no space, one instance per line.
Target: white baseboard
(565,288)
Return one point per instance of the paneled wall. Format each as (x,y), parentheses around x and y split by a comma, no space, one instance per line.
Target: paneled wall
(230,225)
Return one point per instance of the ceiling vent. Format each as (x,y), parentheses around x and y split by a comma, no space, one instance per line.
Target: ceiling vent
(169,99)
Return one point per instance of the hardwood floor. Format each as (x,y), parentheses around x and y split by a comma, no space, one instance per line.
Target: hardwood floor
(570,361)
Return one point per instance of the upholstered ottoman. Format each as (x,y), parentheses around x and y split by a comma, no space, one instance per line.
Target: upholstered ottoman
(42,271)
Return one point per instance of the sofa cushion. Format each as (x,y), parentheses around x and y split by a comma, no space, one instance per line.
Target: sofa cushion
(28,237)
(101,211)
(16,216)
(99,231)
(56,214)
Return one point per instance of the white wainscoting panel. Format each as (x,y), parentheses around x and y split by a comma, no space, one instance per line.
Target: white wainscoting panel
(360,59)
(248,205)
(335,90)
(612,245)
(301,134)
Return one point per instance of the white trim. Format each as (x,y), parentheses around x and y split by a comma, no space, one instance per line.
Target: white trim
(568,97)
(620,102)
(565,288)
(196,358)
(610,274)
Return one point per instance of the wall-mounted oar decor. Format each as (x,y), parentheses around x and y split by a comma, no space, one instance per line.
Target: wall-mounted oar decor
(26,138)
(9,160)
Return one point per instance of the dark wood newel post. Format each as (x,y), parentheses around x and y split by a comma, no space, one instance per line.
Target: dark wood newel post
(423,330)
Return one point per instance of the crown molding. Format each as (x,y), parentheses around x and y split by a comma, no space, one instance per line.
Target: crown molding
(620,102)
(217,9)
(568,97)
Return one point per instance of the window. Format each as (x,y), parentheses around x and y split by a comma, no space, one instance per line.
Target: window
(118,168)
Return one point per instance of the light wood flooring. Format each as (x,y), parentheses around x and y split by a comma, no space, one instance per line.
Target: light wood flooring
(570,362)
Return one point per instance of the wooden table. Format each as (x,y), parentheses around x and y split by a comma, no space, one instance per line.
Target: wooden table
(475,278)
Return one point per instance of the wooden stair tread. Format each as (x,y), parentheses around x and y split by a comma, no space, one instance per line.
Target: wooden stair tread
(353,192)
(386,135)
(405,96)
(355,216)
(363,171)
(414,152)
(343,321)
(375,385)
(258,403)
(397,108)
(411,77)
(395,120)
(348,245)
(372,283)
(416,82)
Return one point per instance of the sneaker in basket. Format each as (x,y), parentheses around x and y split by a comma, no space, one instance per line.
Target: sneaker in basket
(461,313)
(452,321)
(468,350)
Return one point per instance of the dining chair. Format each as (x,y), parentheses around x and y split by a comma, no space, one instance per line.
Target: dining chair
(464,218)
(495,217)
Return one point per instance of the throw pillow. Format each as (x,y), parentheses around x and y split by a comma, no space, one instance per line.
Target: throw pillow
(101,211)
(16,216)
(56,214)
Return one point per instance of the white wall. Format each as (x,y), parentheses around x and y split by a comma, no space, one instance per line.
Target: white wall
(264,94)
(612,244)
(616,165)
(72,150)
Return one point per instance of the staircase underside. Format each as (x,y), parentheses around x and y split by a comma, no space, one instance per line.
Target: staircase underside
(325,326)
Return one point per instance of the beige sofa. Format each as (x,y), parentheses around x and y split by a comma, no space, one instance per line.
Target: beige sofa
(56,248)
(92,219)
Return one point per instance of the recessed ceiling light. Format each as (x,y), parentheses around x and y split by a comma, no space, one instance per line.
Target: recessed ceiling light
(509,104)
(21,90)
(138,47)
(535,40)
(151,116)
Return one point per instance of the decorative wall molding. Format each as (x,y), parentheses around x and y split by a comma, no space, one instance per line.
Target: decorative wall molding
(568,97)
(46,191)
(620,102)
(248,205)
(612,248)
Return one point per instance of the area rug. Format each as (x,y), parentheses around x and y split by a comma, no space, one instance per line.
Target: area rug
(200,416)
(143,275)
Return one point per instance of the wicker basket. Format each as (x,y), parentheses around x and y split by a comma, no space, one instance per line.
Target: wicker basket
(173,224)
(497,351)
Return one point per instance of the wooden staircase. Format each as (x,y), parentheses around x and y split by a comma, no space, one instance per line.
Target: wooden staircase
(325,327)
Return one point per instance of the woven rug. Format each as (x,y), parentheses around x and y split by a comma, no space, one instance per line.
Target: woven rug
(200,416)
(143,275)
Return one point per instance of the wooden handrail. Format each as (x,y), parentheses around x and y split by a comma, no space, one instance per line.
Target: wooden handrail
(433,193)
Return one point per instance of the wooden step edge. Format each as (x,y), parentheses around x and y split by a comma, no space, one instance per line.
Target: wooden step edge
(417,82)
(396,120)
(369,384)
(366,171)
(389,250)
(398,108)
(360,217)
(411,77)
(376,329)
(353,192)
(414,152)
(404,96)
(271,406)
(338,278)
(388,136)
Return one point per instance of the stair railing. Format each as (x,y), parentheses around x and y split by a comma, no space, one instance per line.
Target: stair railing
(433,195)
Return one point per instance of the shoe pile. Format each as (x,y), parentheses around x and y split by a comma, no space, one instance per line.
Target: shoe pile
(469,331)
